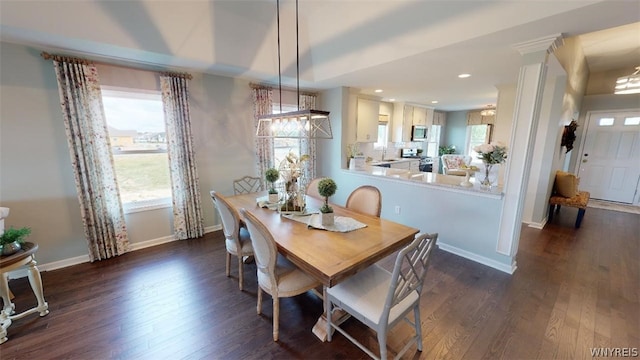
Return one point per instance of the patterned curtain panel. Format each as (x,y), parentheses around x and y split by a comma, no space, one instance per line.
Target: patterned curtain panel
(187,212)
(89,146)
(262,105)
(308,146)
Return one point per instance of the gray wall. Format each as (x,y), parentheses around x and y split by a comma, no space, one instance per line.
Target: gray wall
(36,178)
(455,131)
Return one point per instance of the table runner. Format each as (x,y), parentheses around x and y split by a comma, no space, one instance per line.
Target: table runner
(340,223)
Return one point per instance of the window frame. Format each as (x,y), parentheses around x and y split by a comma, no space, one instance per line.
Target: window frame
(140,94)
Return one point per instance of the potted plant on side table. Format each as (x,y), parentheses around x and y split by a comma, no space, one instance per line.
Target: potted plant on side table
(272,175)
(326,188)
(12,239)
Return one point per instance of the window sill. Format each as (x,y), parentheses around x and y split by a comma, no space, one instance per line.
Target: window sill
(147,205)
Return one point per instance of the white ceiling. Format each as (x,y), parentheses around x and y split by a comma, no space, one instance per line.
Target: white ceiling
(413,50)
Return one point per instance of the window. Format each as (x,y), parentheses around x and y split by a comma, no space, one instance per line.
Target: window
(283,146)
(606,122)
(477,135)
(137,133)
(383,134)
(632,121)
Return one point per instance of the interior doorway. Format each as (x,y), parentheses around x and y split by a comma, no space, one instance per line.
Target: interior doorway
(609,165)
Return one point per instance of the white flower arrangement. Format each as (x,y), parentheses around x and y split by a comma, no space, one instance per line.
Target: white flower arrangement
(493,153)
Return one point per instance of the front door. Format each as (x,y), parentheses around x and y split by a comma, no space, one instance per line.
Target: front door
(610,160)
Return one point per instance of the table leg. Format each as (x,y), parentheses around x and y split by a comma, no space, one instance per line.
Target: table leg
(7,306)
(36,284)
(338,316)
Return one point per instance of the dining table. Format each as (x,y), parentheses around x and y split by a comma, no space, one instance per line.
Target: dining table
(329,256)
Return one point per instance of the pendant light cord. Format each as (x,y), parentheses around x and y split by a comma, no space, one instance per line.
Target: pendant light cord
(297,59)
(279,69)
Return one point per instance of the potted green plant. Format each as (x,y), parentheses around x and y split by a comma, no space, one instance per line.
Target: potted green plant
(326,188)
(12,239)
(272,175)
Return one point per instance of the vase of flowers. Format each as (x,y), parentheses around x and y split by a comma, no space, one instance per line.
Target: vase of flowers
(326,188)
(291,170)
(272,175)
(490,154)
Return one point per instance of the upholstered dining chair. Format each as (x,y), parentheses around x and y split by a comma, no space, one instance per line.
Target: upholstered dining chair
(237,239)
(277,276)
(365,199)
(247,184)
(380,299)
(312,188)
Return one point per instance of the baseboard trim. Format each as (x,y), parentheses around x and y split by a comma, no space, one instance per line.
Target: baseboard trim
(536,225)
(20,273)
(479,259)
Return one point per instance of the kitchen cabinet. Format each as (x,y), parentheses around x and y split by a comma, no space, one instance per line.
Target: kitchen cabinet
(367,120)
(411,165)
(439,118)
(419,116)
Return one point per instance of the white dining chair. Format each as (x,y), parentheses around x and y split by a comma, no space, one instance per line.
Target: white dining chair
(312,189)
(277,276)
(237,239)
(247,184)
(380,299)
(365,199)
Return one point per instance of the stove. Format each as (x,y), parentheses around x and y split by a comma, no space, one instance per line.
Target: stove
(426,163)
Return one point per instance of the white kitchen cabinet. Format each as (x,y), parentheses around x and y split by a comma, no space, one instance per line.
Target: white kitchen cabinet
(419,116)
(414,165)
(367,120)
(400,165)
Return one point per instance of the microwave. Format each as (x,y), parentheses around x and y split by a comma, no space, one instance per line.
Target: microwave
(418,133)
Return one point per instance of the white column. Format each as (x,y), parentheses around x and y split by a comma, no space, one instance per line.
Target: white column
(525,120)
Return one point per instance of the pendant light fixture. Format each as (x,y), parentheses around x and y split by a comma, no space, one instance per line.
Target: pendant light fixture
(629,84)
(300,124)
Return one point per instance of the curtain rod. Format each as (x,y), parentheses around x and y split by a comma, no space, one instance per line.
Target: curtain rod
(76,60)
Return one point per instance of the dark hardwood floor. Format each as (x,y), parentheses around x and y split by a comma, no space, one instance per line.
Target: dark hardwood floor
(573,290)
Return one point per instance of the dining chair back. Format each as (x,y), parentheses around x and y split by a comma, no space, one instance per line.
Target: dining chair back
(380,299)
(237,239)
(365,199)
(247,184)
(277,276)
(312,189)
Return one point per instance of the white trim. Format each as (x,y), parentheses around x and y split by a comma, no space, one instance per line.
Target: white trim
(536,225)
(147,205)
(20,273)
(479,259)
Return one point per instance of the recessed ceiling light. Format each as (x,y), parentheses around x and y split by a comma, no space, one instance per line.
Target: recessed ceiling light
(378,90)
(462,76)
(434,101)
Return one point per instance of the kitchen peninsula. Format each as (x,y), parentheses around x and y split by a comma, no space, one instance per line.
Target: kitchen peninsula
(467,219)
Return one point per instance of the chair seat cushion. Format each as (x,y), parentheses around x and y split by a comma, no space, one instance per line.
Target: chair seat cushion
(366,293)
(245,242)
(456,172)
(291,280)
(580,200)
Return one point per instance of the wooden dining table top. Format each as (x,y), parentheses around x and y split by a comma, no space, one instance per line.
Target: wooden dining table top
(329,256)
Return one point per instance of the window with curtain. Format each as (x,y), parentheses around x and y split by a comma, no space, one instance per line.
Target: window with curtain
(138,138)
(283,146)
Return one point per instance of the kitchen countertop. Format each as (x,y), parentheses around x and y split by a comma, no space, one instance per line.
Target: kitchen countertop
(445,182)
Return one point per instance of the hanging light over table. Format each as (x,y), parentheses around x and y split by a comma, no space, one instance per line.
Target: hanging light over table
(308,124)
(629,84)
